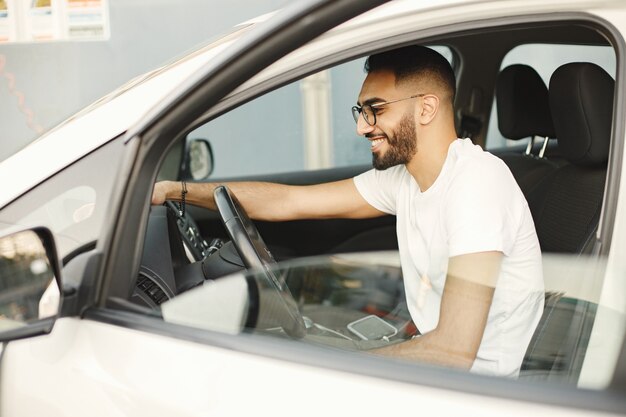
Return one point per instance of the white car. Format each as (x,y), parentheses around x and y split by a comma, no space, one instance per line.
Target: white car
(110,306)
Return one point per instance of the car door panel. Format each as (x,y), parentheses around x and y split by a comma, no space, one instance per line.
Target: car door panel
(134,373)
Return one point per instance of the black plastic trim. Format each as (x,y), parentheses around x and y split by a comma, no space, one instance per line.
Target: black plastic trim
(43,326)
(78,293)
(86,247)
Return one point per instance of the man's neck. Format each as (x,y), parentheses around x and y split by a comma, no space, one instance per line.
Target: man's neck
(427,163)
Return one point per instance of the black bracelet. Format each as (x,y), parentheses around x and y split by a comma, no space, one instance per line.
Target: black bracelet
(181,205)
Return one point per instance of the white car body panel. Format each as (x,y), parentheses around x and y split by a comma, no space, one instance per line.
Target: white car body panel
(608,330)
(138,375)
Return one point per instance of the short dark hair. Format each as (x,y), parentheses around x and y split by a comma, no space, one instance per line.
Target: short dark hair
(414,60)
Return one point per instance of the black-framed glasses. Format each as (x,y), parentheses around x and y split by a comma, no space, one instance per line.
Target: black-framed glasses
(369,110)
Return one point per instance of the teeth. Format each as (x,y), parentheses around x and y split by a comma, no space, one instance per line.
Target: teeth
(377,142)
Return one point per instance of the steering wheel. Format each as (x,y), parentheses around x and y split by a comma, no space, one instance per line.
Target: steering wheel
(274,296)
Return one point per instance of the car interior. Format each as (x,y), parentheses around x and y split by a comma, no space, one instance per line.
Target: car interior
(558,140)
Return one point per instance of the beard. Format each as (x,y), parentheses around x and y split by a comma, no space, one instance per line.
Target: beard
(402,145)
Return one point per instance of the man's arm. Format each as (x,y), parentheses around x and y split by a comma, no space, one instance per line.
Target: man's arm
(465,304)
(278,202)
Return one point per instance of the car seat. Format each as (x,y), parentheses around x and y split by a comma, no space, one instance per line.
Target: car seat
(567,207)
(523,110)
(566,204)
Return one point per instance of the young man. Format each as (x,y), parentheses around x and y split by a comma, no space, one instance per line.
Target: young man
(470,256)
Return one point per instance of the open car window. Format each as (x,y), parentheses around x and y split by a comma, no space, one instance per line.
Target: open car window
(306,125)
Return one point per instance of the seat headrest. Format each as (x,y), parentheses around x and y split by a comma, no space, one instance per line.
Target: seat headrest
(522,103)
(581,99)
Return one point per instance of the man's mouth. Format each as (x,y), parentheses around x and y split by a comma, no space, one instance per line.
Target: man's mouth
(376,143)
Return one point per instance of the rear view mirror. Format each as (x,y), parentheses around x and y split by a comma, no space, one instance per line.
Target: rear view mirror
(29,284)
(197,160)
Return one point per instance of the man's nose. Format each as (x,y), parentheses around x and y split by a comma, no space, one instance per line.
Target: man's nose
(362,128)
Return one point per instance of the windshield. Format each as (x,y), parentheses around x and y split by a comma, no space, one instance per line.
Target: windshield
(73,204)
(204,48)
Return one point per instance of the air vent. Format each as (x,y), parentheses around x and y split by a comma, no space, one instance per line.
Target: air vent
(151,289)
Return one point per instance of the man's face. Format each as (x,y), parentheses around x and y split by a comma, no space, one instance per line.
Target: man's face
(393,137)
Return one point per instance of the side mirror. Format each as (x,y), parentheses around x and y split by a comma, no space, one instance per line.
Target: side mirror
(197,161)
(30,298)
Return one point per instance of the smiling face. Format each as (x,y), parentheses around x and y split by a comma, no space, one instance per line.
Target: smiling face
(393,139)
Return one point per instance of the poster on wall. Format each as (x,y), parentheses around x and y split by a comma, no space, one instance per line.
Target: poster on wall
(86,19)
(7,22)
(42,20)
(53,20)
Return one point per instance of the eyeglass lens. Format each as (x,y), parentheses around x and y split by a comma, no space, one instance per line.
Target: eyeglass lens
(368,114)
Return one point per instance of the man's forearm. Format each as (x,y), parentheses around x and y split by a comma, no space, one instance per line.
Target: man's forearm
(463,315)
(278,202)
(262,201)
(197,194)
(429,349)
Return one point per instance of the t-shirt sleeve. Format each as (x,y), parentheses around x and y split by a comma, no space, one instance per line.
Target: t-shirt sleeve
(380,188)
(483,210)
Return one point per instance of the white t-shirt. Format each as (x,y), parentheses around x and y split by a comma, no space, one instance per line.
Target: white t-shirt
(474,205)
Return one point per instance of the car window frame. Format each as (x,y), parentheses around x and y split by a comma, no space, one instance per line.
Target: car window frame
(609,399)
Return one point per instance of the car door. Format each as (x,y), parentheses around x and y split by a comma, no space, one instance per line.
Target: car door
(419,374)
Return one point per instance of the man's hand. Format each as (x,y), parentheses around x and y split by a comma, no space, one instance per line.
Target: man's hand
(159,193)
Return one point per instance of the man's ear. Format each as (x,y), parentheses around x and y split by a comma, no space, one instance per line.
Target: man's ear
(429,108)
